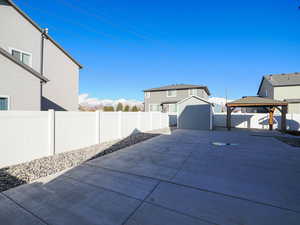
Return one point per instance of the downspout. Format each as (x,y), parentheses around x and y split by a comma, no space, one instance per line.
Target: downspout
(43,36)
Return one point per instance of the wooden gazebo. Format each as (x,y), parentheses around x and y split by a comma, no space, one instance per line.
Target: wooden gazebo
(258,102)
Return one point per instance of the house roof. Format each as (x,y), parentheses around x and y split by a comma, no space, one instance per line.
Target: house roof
(179,87)
(21,64)
(41,30)
(250,101)
(279,80)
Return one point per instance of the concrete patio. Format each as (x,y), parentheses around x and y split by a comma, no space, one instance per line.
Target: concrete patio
(178,179)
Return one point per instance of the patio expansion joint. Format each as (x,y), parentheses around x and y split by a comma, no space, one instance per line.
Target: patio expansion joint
(183,214)
(204,190)
(101,187)
(24,209)
(182,165)
(141,203)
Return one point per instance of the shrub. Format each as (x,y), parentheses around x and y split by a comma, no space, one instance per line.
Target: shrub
(126,109)
(119,107)
(134,109)
(108,109)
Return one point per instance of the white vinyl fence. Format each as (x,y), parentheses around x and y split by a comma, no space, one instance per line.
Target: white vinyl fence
(256,120)
(28,135)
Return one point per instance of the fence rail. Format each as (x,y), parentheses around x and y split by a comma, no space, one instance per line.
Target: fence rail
(28,135)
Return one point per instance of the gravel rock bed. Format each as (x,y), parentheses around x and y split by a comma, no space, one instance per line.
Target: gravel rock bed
(30,171)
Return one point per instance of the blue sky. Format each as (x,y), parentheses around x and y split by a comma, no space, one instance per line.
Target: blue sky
(130,45)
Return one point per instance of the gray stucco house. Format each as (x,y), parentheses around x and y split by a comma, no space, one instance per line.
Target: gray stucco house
(284,87)
(165,98)
(36,73)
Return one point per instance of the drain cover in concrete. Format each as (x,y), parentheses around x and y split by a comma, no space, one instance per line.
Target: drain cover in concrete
(223,144)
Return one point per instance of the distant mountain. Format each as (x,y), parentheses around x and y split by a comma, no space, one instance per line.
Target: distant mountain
(91,104)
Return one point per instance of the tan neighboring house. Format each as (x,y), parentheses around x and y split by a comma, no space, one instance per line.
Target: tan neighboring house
(36,73)
(284,87)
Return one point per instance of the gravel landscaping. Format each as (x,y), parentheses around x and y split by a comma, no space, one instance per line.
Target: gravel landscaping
(30,171)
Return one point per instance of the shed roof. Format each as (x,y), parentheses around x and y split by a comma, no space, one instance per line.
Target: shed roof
(252,101)
(194,96)
(179,87)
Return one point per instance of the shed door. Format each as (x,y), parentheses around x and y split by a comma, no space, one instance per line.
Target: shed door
(194,116)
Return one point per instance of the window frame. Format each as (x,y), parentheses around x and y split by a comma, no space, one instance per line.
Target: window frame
(159,110)
(171,96)
(147,94)
(8,101)
(22,52)
(191,92)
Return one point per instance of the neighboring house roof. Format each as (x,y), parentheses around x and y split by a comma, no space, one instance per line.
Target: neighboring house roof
(280,80)
(179,87)
(255,101)
(194,96)
(21,64)
(41,30)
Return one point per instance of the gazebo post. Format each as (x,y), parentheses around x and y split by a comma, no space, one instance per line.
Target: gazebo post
(228,121)
(283,118)
(271,118)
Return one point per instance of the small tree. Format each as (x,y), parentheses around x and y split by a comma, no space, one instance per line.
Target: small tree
(108,109)
(126,109)
(134,109)
(119,107)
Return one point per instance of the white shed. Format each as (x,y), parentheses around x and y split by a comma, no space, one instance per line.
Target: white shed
(194,113)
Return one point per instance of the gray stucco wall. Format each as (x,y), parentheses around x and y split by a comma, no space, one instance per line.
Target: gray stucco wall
(61,92)
(16,32)
(157,97)
(194,114)
(21,86)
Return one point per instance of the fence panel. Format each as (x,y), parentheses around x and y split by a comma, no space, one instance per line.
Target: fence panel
(145,121)
(109,126)
(130,123)
(24,136)
(74,130)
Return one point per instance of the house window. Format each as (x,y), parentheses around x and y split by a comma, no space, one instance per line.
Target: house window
(171,93)
(4,103)
(192,92)
(172,108)
(24,57)
(154,107)
(147,94)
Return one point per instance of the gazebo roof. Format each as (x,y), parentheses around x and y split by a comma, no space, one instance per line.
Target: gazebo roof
(253,101)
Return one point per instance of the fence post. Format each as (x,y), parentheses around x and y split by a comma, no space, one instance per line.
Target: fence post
(120,124)
(51,131)
(97,135)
